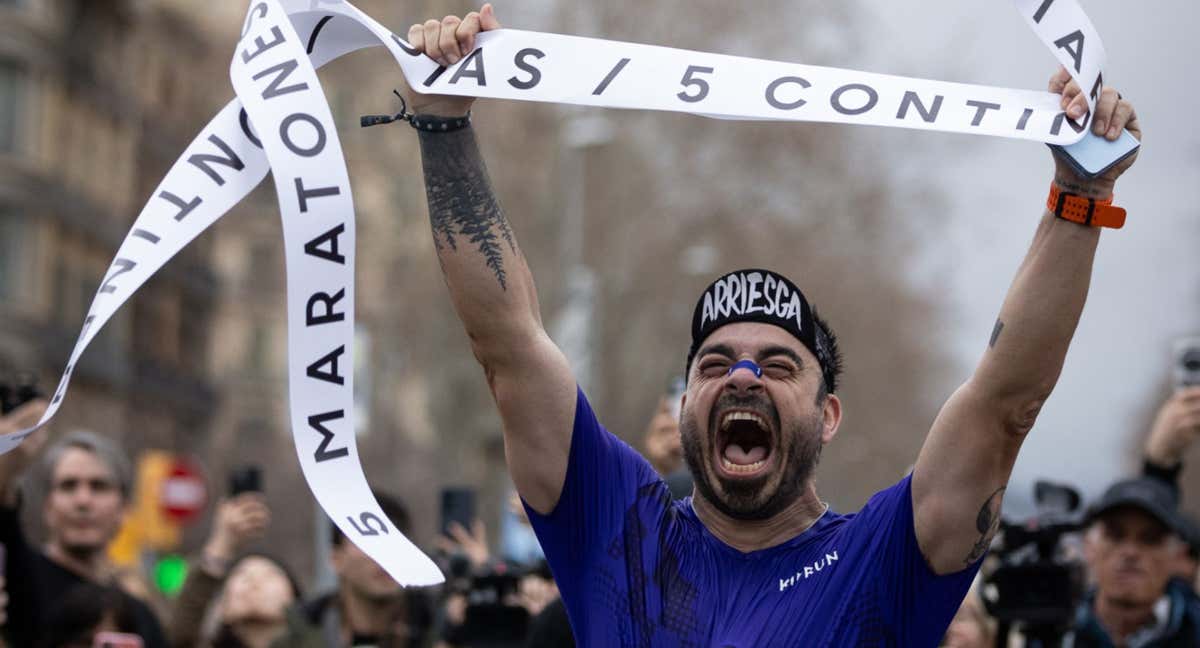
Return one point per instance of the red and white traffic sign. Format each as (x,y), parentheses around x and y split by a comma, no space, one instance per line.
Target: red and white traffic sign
(184,492)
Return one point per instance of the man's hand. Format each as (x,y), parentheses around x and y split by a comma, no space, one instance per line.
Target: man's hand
(447,41)
(239,521)
(15,462)
(1176,426)
(473,544)
(1113,115)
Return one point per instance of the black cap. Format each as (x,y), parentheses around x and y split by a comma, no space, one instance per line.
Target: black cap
(1190,532)
(757,295)
(1144,493)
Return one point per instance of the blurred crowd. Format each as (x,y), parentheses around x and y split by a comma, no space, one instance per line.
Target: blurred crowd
(1118,571)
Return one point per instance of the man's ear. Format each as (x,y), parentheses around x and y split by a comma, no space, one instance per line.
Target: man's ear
(831,418)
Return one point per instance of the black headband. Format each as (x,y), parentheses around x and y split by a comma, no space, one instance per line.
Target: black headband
(755,295)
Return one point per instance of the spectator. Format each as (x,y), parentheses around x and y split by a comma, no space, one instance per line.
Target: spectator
(1131,544)
(255,591)
(664,448)
(86,481)
(517,605)
(85,610)
(368,608)
(1175,428)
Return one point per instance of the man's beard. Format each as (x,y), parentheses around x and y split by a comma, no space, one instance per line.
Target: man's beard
(745,499)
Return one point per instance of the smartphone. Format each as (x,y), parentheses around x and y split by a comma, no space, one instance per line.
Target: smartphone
(1187,362)
(458,505)
(1094,154)
(116,640)
(245,479)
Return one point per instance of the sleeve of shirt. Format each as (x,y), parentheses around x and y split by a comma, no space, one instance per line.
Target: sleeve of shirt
(923,603)
(1167,475)
(19,579)
(187,614)
(603,478)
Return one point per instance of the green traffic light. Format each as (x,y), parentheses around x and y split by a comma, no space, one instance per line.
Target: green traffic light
(169,574)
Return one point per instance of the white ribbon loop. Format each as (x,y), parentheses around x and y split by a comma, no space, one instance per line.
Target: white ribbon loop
(273,71)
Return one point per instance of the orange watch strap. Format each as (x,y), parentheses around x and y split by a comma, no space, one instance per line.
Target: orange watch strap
(1085,211)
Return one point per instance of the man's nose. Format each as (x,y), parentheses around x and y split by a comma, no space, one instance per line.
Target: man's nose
(83,496)
(745,376)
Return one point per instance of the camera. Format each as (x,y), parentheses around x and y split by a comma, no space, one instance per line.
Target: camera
(17,391)
(1187,362)
(1037,583)
(494,618)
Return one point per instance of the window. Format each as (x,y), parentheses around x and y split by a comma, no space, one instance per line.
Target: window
(12,246)
(11,78)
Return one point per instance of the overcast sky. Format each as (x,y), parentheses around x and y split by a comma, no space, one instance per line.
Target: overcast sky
(1146,287)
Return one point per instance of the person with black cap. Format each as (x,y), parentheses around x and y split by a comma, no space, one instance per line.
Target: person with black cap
(754,557)
(1134,535)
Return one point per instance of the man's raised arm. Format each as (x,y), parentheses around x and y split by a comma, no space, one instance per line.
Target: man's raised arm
(489,281)
(965,464)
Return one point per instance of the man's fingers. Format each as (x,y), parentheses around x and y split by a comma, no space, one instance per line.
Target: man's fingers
(433,48)
(28,413)
(1059,80)
(445,544)
(448,40)
(1122,115)
(466,31)
(487,18)
(416,37)
(1105,107)
(1187,394)
(460,534)
(1077,107)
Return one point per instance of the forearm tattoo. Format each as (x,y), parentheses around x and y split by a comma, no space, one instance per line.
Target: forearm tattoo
(1086,190)
(996,333)
(461,202)
(986,522)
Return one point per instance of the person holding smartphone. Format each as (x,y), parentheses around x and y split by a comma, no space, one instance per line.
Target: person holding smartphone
(255,590)
(754,557)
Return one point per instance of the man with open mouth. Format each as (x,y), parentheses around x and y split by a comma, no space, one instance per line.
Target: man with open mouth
(753,558)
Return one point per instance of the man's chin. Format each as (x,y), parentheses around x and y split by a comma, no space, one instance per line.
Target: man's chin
(83,549)
(743,499)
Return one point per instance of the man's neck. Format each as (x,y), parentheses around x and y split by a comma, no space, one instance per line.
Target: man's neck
(1121,619)
(89,566)
(752,535)
(366,616)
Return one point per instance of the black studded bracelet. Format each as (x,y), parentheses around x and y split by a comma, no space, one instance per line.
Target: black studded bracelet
(425,123)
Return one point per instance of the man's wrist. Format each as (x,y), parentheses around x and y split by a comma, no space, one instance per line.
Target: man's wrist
(1164,456)
(213,564)
(1096,189)
(219,547)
